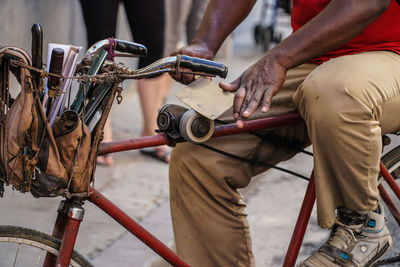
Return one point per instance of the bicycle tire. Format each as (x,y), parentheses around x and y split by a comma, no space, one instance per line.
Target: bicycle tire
(31,241)
(392,162)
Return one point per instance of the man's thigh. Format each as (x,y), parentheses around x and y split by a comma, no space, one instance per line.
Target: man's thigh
(346,85)
(249,146)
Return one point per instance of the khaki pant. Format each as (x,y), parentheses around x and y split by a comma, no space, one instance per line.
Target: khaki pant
(347,104)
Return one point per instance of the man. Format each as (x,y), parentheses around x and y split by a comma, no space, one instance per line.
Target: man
(341,70)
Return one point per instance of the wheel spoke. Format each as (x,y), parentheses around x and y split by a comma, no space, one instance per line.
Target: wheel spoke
(16,255)
(28,247)
(39,257)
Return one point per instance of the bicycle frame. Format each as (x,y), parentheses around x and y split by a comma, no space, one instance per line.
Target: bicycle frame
(67,223)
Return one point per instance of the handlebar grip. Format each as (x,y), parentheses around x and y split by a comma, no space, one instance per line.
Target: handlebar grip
(203,65)
(131,48)
(56,64)
(37,45)
(120,45)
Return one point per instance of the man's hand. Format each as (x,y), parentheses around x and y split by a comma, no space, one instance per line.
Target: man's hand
(255,87)
(219,20)
(194,50)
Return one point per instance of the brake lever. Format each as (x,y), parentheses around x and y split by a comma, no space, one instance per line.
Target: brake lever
(195,73)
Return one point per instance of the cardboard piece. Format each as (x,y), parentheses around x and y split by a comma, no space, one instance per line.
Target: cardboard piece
(207,98)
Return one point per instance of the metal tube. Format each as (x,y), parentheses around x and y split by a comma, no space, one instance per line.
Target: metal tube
(58,232)
(222,130)
(389,179)
(122,218)
(256,125)
(97,47)
(121,45)
(146,141)
(157,65)
(75,216)
(301,224)
(389,203)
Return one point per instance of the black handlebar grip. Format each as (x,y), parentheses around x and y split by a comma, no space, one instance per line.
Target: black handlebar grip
(37,51)
(203,65)
(37,45)
(56,64)
(131,48)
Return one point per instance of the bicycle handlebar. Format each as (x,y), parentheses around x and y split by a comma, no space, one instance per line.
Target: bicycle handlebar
(121,46)
(178,64)
(202,65)
(196,65)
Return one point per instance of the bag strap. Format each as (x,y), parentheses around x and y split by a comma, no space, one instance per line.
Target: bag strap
(5,103)
(17,52)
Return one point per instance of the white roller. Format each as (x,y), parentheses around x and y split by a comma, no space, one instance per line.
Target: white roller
(185,127)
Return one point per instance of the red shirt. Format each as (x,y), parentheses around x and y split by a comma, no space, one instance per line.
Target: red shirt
(382,34)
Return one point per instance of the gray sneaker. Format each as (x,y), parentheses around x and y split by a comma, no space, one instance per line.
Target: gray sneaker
(357,239)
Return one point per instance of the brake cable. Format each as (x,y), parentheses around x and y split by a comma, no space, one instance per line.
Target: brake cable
(259,163)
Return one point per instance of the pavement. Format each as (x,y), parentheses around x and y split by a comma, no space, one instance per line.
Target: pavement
(139,186)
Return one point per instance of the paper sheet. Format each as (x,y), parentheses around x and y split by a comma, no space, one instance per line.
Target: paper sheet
(207,98)
(70,57)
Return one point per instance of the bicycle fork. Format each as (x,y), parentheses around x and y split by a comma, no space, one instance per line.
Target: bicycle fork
(70,215)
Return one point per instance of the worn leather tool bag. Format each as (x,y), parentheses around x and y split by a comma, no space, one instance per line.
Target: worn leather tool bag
(35,158)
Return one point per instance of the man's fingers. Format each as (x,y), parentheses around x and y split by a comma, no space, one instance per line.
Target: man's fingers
(266,101)
(237,102)
(187,78)
(233,86)
(239,96)
(253,101)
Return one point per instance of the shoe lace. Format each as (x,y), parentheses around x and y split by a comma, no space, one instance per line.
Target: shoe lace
(342,237)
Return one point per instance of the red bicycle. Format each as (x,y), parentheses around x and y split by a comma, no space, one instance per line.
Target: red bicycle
(58,249)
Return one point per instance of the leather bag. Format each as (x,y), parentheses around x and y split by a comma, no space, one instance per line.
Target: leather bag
(35,158)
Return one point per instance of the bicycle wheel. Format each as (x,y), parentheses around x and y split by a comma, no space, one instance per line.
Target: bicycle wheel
(26,247)
(392,162)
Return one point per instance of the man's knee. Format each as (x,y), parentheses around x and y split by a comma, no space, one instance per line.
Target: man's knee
(332,95)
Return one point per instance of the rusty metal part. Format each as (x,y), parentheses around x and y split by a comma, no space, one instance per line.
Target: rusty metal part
(220,130)
(168,121)
(117,72)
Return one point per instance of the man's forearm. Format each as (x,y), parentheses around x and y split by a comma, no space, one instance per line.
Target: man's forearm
(338,23)
(220,19)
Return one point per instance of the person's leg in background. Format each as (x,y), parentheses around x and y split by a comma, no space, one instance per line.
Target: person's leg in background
(107,137)
(147,23)
(177,12)
(100,18)
(193,18)
(195,15)
(153,93)
(208,213)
